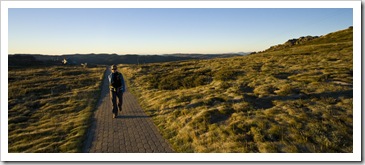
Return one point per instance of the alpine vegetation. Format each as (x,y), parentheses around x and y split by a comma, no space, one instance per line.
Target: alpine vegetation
(291,98)
(50,107)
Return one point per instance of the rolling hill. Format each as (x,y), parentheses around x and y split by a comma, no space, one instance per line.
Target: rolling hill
(289,98)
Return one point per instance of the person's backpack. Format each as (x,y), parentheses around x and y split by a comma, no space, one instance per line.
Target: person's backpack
(116,81)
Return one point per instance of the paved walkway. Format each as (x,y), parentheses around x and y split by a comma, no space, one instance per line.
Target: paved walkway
(132,132)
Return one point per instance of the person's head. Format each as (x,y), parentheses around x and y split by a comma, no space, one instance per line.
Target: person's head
(114,68)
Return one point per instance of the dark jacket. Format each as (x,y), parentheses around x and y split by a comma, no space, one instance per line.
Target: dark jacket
(120,78)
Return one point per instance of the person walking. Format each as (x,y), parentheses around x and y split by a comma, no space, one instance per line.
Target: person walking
(117,88)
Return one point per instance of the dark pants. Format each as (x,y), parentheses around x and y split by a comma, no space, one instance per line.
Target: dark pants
(116,97)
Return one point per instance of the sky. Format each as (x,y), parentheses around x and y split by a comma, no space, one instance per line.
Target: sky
(57,31)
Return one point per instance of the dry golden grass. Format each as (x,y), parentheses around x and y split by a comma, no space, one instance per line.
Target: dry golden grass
(297,99)
(50,107)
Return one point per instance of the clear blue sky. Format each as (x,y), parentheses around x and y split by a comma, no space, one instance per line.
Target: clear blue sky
(158,31)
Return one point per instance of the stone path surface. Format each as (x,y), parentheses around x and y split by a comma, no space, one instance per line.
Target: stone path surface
(132,132)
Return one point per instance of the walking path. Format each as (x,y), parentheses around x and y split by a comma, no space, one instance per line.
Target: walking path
(132,132)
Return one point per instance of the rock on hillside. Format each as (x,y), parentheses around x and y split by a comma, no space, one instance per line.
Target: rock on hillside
(292,42)
(334,37)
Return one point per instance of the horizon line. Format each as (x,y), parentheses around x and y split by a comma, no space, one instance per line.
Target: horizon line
(130,53)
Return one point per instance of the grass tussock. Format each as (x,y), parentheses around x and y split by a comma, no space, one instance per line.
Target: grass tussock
(296,99)
(50,107)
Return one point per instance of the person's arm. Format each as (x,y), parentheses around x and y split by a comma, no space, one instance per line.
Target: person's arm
(123,83)
(110,79)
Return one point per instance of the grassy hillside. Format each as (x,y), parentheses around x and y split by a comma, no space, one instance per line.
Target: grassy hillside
(294,99)
(50,107)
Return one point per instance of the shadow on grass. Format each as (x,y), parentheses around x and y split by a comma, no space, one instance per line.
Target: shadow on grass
(336,95)
(266,102)
(131,117)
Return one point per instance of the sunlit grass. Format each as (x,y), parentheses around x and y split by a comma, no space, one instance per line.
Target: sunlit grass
(297,99)
(50,107)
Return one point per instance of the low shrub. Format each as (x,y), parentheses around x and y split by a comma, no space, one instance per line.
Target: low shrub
(179,80)
(225,74)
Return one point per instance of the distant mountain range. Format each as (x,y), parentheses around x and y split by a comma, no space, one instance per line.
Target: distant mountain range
(107,59)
